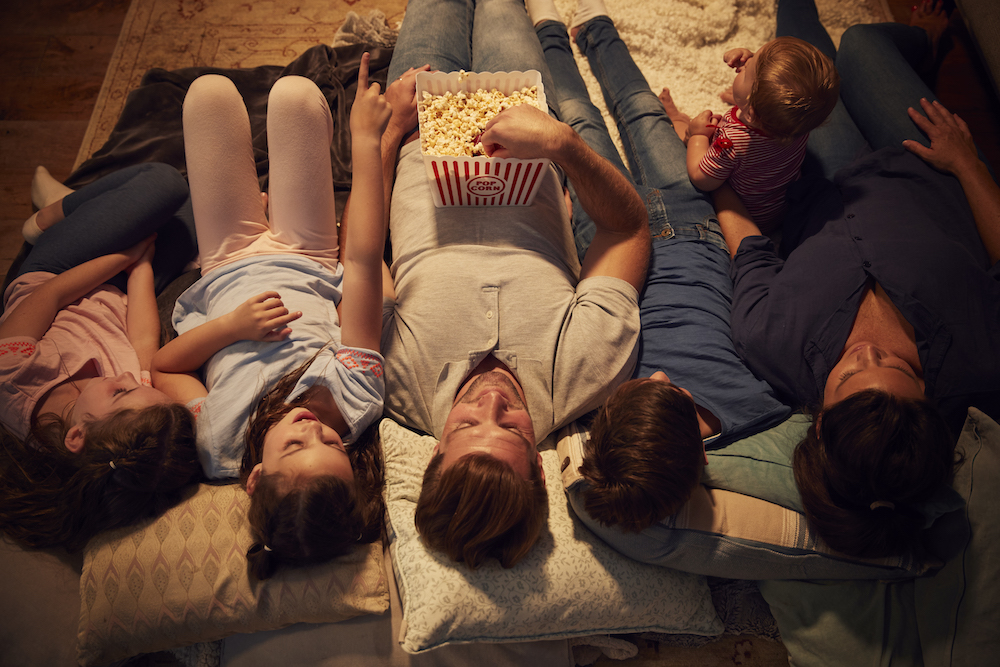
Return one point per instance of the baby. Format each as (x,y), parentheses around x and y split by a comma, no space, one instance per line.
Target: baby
(780,93)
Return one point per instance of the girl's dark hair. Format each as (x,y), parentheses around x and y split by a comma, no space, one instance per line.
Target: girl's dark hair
(50,496)
(320,518)
(644,457)
(866,465)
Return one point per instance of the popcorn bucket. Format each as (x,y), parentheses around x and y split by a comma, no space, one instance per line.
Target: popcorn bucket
(482,181)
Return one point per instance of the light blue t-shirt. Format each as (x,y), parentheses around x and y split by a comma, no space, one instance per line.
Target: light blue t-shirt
(238,375)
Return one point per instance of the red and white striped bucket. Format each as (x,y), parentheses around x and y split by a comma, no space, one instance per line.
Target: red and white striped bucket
(482,181)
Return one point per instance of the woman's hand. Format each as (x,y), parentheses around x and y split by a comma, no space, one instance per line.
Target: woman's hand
(402,97)
(737,57)
(952,149)
(371,112)
(261,318)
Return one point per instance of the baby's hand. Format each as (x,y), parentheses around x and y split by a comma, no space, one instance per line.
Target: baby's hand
(371,112)
(737,57)
(703,124)
(262,318)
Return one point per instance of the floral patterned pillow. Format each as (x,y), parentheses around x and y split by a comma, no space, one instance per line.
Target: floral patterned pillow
(571,584)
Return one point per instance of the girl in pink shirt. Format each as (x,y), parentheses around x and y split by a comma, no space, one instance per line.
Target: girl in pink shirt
(94,446)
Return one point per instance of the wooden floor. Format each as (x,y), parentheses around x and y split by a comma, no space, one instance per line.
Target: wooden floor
(55,53)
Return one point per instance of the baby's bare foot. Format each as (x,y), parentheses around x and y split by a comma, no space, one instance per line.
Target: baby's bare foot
(673,113)
(930,16)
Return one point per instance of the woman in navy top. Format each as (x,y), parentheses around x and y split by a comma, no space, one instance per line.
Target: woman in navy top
(885,316)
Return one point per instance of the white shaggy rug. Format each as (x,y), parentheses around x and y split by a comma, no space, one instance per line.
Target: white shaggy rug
(678,44)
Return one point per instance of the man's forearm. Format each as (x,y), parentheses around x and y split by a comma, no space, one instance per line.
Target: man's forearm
(605,194)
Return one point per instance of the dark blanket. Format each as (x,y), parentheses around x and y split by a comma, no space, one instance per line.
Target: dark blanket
(149,129)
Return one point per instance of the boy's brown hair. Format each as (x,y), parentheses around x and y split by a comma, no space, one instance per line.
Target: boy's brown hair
(795,90)
(480,507)
(644,457)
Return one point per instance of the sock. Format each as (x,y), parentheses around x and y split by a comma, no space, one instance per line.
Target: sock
(542,10)
(588,9)
(30,230)
(45,189)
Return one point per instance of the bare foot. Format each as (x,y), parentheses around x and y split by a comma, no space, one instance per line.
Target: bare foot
(678,119)
(930,16)
(727,96)
(673,113)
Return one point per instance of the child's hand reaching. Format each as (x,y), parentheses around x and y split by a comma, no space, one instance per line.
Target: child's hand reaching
(703,124)
(736,58)
(371,112)
(262,318)
(146,258)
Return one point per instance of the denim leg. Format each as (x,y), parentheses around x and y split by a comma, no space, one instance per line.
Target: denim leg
(656,155)
(115,213)
(569,95)
(503,40)
(434,32)
(878,80)
(837,142)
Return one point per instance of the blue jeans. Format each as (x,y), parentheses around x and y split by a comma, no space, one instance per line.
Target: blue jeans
(477,36)
(115,213)
(837,142)
(877,83)
(655,154)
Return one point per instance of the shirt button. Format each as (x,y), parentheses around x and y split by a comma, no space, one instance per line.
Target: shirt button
(489,314)
(850,215)
(867,265)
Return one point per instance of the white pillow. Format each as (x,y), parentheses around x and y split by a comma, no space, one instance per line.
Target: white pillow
(571,584)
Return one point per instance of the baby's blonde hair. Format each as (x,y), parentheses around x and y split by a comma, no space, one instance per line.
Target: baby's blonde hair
(795,90)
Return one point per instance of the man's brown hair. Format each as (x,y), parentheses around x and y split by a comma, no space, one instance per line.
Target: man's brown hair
(796,88)
(644,457)
(481,507)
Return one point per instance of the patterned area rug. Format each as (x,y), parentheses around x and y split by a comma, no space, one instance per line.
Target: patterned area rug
(218,33)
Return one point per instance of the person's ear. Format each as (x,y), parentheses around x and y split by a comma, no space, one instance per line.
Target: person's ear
(541,467)
(75,438)
(254,478)
(819,423)
(435,452)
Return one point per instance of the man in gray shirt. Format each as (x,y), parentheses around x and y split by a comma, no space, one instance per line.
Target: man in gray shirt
(496,333)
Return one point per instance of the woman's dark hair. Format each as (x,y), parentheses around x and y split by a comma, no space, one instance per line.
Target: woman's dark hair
(866,465)
(133,465)
(320,518)
(644,457)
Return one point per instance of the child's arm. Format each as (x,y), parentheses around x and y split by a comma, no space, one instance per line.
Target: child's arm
(34,315)
(142,319)
(261,318)
(363,245)
(700,132)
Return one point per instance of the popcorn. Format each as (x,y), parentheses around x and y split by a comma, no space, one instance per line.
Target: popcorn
(450,124)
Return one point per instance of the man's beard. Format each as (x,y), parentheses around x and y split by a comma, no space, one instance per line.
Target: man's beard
(494,379)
